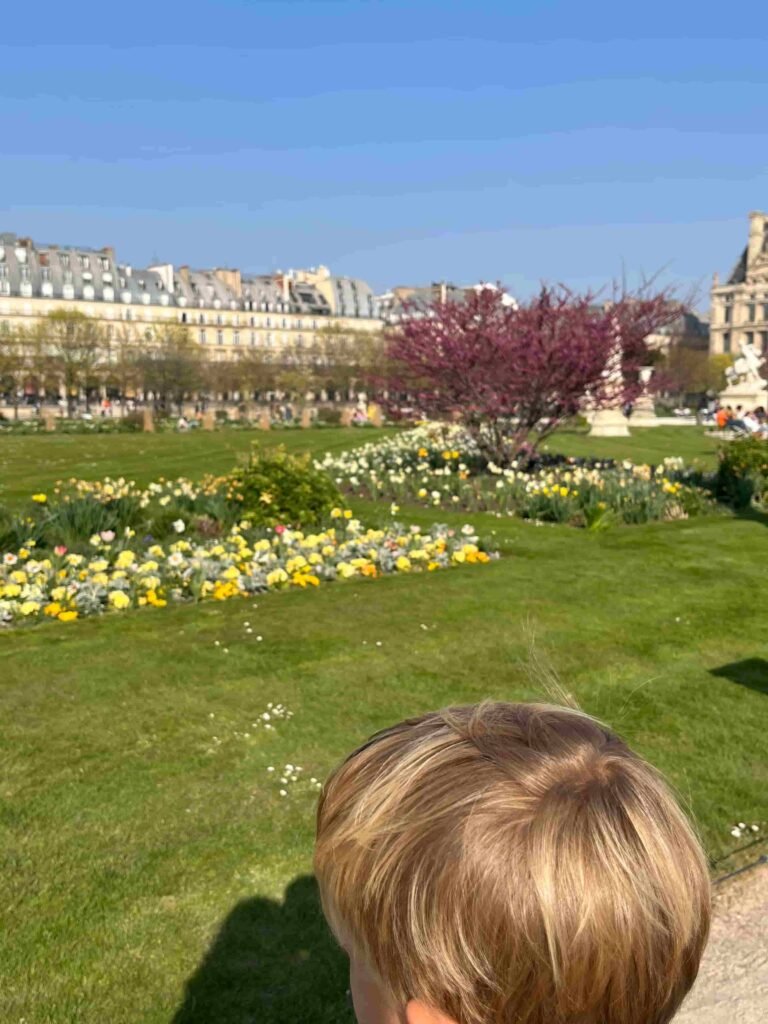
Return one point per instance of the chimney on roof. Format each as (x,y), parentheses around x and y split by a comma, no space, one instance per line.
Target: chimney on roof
(232,279)
(757,235)
(109,251)
(184,273)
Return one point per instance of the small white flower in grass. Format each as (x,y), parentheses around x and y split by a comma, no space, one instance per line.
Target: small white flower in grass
(378,643)
(284,781)
(283,792)
(742,824)
(736,832)
(249,630)
(755,828)
(313,780)
(217,643)
(271,768)
(179,525)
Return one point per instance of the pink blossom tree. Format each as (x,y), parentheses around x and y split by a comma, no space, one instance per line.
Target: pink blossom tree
(511,375)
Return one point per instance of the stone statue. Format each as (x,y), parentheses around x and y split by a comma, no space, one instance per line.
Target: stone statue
(746,369)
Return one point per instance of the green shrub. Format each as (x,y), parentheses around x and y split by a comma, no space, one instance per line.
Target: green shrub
(328,415)
(742,473)
(276,488)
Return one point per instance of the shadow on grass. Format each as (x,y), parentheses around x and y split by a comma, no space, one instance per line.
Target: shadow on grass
(753,515)
(271,963)
(750,672)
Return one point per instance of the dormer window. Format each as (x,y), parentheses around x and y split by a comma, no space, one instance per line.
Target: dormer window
(64,259)
(105,263)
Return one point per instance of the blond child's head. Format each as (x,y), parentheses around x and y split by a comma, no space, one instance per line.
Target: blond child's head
(510,864)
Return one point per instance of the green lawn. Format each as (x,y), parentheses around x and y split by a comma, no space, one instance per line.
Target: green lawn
(646,444)
(38,461)
(150,870)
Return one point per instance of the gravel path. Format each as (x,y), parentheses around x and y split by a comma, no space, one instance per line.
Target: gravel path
(732,987)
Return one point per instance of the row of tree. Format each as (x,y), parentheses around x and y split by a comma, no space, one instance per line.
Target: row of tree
(69,355)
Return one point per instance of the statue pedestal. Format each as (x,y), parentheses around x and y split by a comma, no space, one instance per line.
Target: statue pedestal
(748,394)
(644,413)
(608,423)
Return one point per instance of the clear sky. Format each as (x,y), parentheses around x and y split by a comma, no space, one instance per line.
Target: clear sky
(402,141)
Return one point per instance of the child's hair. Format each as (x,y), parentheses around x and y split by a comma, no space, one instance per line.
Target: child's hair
(514,863)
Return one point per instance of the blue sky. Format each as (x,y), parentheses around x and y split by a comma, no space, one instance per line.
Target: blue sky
(396,141)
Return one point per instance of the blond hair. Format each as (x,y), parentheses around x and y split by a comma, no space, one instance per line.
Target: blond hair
(514,863)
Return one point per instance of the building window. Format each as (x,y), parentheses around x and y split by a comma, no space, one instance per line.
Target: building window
(727,342)
(219,337)
(269,340)
(64,258)
(203,338)
(269,321)
(749,337)
(236,337)
(219,318)
(253,337)
(751,312)
(253,321)
(727,314)
(763,341)
(45,273)
(183,318)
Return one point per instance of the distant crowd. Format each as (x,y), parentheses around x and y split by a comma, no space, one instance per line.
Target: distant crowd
(742,421)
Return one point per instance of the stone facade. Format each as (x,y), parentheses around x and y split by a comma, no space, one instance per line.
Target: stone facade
(739,312)
(224,309)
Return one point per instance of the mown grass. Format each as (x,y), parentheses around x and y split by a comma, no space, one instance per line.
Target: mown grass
(150,870)
(38,461)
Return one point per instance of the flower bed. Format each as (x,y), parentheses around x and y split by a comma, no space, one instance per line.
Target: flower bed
(118,574)
(440,467)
